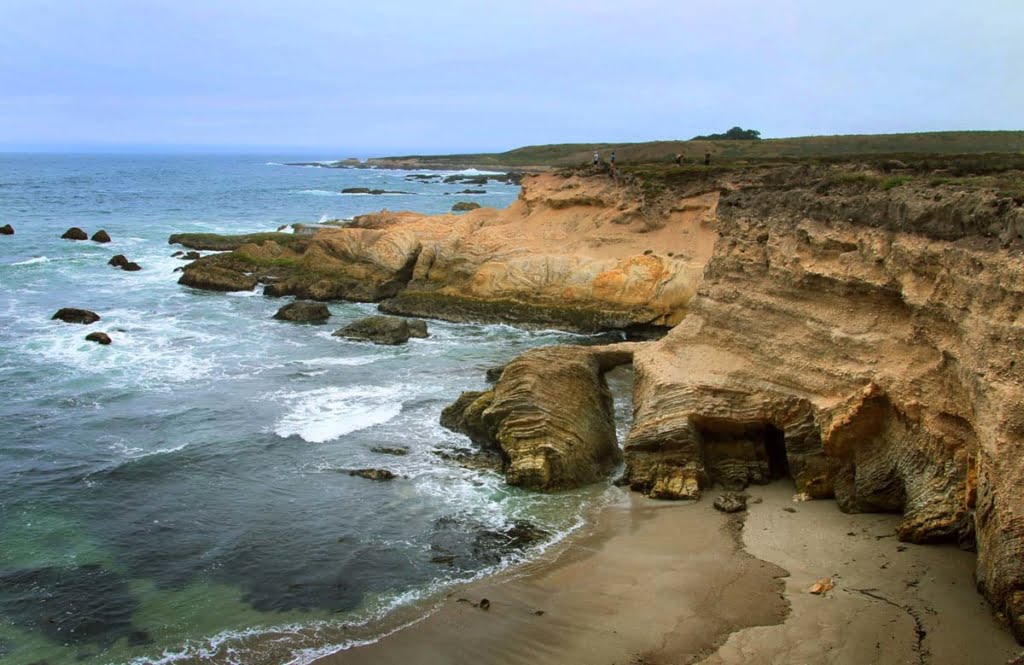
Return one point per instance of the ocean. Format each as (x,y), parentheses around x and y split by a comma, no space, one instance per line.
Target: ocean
(183,494)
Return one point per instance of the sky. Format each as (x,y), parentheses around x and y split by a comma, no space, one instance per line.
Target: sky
(383,77)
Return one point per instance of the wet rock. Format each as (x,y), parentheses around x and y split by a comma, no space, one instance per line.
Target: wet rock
(304,311)
(549,416)
(387,450)
(75,233)
(731,502)
(6,230)
(215,278)
(98,337)
(417,328)
(367,190)
(193,255)
(75,315)
(118,261)
(494,373)
(131,266)
(178,254)
(463,206)
(373,474)
(473,191)
(390,330)
(101,236)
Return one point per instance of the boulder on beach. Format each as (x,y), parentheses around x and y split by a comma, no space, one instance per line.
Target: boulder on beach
(118,261)
(463,206)
(101,236)
(75,315)
(6,230)
(75,233)
(131,266)
(304,311)
(731,502)
(98,337)
(383,330)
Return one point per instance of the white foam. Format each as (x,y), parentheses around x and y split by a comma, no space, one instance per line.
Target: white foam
(343,362)
(320,192)
(325,414)
(29,262)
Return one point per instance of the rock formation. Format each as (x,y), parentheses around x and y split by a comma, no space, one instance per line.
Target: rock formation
(866,341)
(569,253)
(75,233)
(98,337)
(465,206)
(118,261)
(6,230)
(550,416)
(304,311)
(212,277)
(131,266)
(75,315)
(383,330)
(101,236)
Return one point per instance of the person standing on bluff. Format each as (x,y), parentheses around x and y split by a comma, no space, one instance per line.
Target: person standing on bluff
(707,158)
(596,158)
(679,159)
(613,159)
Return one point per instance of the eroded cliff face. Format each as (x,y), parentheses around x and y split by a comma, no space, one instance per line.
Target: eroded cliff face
(585,252)
(870,347)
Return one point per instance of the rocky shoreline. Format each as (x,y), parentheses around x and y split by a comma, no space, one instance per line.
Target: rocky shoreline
(855,327)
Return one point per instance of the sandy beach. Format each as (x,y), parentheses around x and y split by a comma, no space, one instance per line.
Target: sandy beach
(658,582)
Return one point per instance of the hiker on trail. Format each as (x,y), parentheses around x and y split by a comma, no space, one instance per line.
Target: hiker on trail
(613,158)
(679,159)
(707,158)
(596,158)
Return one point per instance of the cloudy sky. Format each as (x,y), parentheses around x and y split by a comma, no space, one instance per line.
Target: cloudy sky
(387,77)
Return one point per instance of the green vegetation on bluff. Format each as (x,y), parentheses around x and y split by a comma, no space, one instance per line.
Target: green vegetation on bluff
(572,154)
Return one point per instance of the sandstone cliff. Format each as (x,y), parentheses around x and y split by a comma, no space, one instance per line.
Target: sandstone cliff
(866,342)
(585,252)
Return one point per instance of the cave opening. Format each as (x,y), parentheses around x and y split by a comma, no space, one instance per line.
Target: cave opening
(775,448)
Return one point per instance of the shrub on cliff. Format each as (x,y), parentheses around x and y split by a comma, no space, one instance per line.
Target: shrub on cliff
(734,134)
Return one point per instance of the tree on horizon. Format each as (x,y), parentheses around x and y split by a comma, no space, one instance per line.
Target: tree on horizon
(734,134)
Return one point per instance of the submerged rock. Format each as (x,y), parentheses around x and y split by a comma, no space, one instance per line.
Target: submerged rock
(101,236)
(304,311)
(98,337)
(373,474)
(118,261)
(131,266)
(75,315)
(75,233)
(389,450)
(383,330)
(6,230)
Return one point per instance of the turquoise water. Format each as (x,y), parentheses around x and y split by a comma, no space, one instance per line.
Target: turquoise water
(182,494)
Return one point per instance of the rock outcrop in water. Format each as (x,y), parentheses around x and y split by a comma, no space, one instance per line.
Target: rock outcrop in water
(389,330)
(6,230)
(101,236)
(118,261)
(98,337)
(304,311)
(75,315)
(575,252)
(75,233)
(550,416)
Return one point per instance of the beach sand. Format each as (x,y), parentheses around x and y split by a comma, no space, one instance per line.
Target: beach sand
(658,582)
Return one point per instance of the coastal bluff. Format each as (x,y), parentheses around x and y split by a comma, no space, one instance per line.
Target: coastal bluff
(854,326)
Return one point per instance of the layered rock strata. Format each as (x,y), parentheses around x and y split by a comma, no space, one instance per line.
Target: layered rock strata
(550,416)
(579,252)
(869,345)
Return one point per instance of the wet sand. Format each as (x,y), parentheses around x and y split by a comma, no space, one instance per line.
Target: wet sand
(658,582)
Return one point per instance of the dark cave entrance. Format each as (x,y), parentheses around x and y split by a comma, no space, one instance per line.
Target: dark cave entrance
(775,447)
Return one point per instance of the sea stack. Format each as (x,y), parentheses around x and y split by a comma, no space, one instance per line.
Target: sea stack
(75,233)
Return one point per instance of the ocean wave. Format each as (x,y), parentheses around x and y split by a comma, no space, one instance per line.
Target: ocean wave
(355,361)
(319,192)
(325,414)
(33,261)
